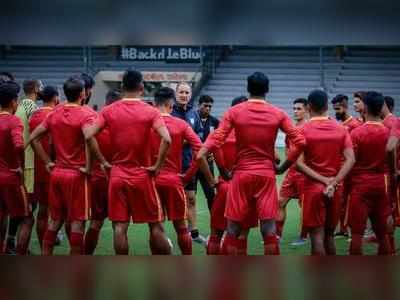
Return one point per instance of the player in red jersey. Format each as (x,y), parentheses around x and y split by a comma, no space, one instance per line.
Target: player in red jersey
(358,105)
(99,184)
(69,198)
(368,198)
(50,99)
(13,197)
(256,124)
(169,183)
(327,145)
(389,120)
(132,193)
(340,106)
(292,183)
(225,158)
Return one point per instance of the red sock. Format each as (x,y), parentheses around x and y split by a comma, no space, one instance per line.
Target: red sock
(49,240)
(184,240)
(91,239)
(384,245)
(271,245)
(242,246)
(41,228)
(76,243)
(229,245)
(279,227)
(356,244)
(213,245)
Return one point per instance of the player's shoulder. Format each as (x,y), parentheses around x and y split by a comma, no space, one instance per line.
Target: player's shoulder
(14,120)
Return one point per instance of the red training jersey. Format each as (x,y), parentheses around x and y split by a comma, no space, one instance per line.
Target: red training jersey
(38,116)
(11,144)
(65,125)
(369,142)
(326,140)
(225,156)
(351,123)
(130,122)
(256,124)
(180,132)
(292,170)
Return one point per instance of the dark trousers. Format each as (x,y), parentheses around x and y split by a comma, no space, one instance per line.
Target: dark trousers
(207,189)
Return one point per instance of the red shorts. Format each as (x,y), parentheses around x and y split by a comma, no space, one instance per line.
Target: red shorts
(173,201)
(13,197)
(318,210)
(291,187)
(134,197)
(69,195)
(249,192)
(99,198)
(41,192)
(369,201)
(218,220)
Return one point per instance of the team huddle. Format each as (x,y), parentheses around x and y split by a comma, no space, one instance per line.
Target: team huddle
(137,162)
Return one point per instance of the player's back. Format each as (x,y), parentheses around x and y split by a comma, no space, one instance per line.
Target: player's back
(130,123)
(65,125)
(256,125)
(176,128)
(38,116)
(326,140)
(369,142)
(11,129)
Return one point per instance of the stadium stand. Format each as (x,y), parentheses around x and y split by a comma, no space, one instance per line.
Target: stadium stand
(293,71)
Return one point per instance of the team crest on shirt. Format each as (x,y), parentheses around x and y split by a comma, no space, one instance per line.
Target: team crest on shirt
(192,121)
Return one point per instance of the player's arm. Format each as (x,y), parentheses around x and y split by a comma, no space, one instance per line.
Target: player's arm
(18,141)
(304,168)
(349,160)
(394,137)
(195,142)
(218,138)
(89,131)
(296,139)
(36,135)
(163,150)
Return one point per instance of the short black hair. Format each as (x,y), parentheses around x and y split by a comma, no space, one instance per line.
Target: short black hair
(131,80)
(6,76)
(73,87)
(113,96)
(205,99)
(238,100)
(389,102)
(318,101)
(374,102)
(163,95)
(340,99)
(258,84)
(8,92)
(48,93)
(359,94)
(88,80)
(30,85)
(301,100)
